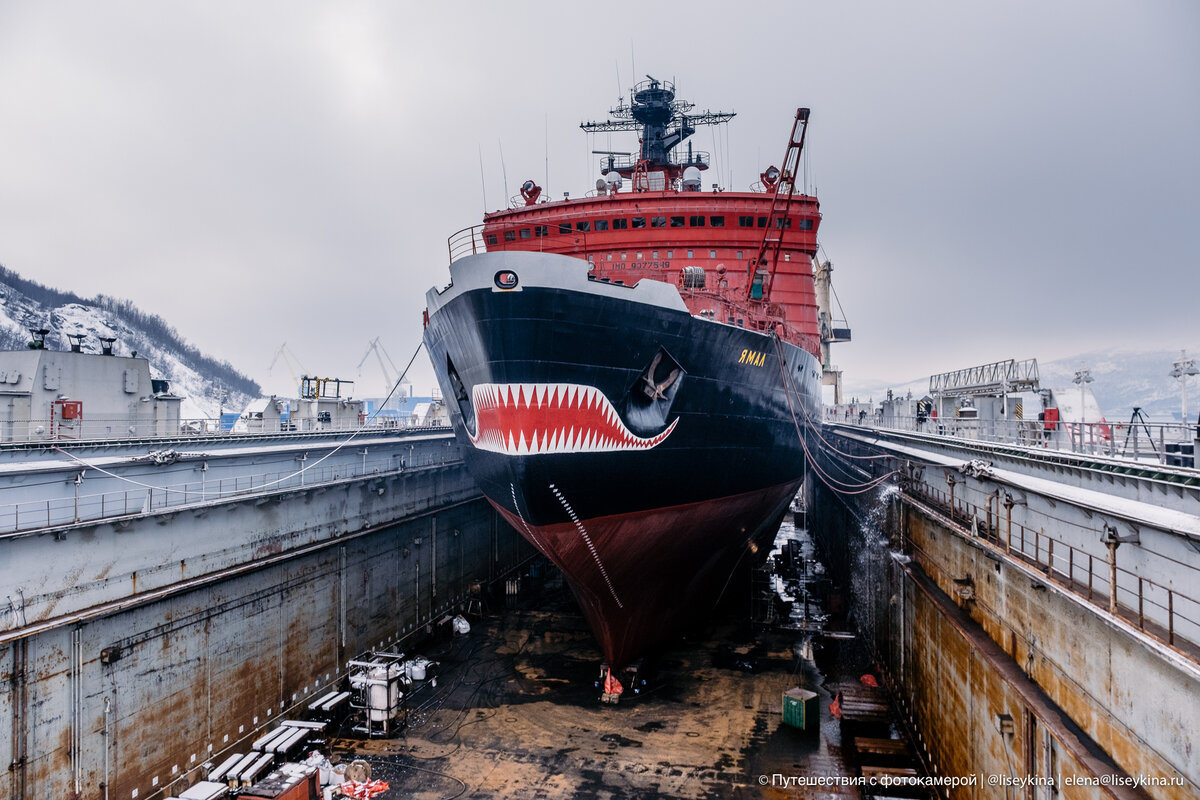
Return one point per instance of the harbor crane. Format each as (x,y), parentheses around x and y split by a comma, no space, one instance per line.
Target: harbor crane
(381,353)
(283,353)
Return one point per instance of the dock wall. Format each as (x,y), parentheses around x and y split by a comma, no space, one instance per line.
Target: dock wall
(1004,655)
(134,650)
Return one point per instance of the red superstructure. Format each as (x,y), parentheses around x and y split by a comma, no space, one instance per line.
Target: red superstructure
(744,258)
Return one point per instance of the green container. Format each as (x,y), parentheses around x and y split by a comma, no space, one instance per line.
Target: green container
(800,709)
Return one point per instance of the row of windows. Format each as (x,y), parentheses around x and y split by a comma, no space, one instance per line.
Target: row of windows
(620,224)
(654,262)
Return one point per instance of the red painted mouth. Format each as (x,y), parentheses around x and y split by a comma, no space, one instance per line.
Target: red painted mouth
(527,419)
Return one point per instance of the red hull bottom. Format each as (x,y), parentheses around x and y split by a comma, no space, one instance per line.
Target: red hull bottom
(638,576)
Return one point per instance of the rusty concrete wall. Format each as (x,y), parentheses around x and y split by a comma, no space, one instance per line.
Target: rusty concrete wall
(187,678)
(1127,695)
(1003,674)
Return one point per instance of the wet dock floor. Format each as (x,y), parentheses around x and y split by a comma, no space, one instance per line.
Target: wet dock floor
(515,715)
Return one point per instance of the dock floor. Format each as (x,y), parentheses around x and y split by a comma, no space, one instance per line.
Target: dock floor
(515,715)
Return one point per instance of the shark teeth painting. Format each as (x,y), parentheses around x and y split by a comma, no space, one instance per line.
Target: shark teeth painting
(529,419)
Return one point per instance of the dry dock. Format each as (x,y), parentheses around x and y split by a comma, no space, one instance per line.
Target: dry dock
(516,715)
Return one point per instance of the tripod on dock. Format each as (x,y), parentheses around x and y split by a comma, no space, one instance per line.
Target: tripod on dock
(1135,420)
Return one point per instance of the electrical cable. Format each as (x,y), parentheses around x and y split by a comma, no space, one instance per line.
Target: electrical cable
(361,429)
(828,480)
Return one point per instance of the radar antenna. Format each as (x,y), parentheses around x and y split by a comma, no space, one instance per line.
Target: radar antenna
(663,122)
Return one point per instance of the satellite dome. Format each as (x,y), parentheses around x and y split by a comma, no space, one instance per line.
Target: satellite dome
(691,177)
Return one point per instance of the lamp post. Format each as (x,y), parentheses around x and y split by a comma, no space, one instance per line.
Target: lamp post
(1083,376)
(1182,369)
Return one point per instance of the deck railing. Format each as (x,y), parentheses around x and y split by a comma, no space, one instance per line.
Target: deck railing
(1161,610)
(1167,443)
(32,515)
(467,242)
(39,431)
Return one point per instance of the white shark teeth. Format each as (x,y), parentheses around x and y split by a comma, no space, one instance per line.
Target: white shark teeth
(527,419)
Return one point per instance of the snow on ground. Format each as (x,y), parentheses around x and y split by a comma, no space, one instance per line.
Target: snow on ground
(204,398)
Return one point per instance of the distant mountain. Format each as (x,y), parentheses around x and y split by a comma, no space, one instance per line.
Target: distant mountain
(1121,379)
(205,383)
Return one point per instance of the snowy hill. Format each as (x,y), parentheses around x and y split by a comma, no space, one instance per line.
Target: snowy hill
(200,380)
(1122,379)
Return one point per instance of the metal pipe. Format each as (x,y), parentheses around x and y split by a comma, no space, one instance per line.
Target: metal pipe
(1008,507)
(1112,576)
(77,706)
(104,733)
(1170,617)
(1141,610)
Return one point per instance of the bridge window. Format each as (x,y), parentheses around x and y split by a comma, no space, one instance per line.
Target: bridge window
(745,222)
(601,224)
(639,222)
(670,254)
(712,253)
(739,255)
(762,222)
(691,253)
(620,224)
(804,224)
(696,221)
(676,222)
(654,255)
(583,225)
(510,236)
(717,222)
(526,233)
(564,227)
(492,239)
(540,230)
(658,222)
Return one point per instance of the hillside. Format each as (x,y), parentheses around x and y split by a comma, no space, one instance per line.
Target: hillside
(205,383)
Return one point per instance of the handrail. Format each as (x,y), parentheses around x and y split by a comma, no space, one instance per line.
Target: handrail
(466,242)
(34,515)
(1157,442)
(106,429)
(1163,612)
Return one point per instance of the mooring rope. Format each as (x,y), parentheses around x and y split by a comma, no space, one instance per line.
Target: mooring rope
(361,429)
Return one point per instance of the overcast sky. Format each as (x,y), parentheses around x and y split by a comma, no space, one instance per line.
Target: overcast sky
(1016,179)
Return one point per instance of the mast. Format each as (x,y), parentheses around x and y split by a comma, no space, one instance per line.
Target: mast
(663,123)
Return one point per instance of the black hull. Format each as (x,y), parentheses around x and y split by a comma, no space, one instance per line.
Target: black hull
(682,445)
